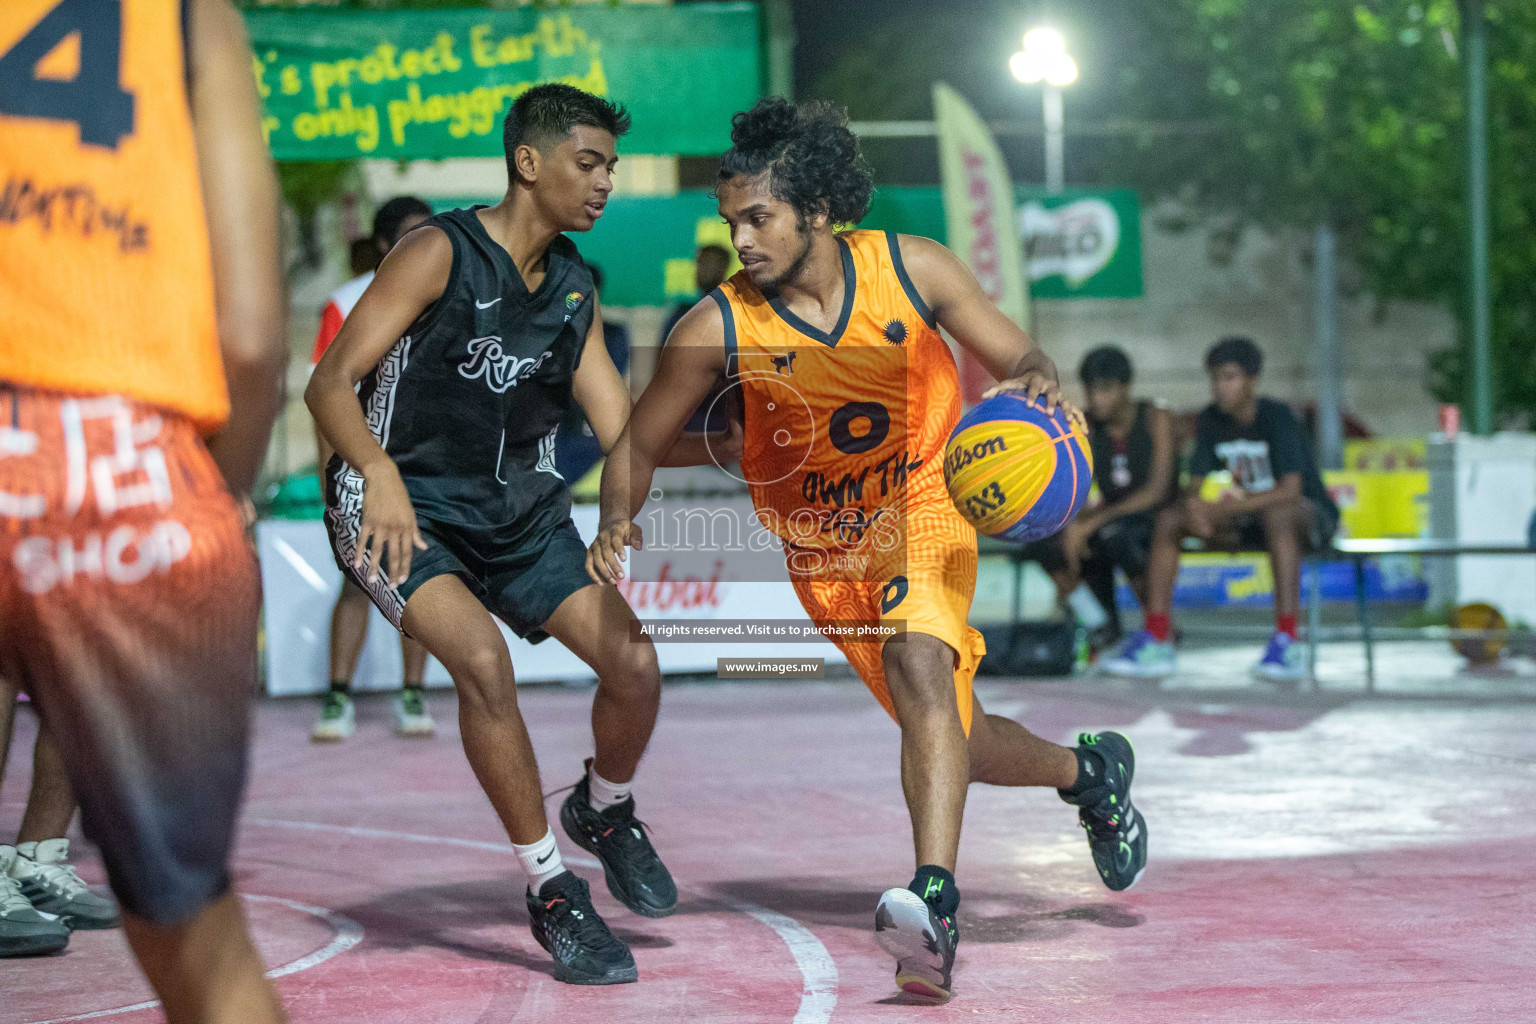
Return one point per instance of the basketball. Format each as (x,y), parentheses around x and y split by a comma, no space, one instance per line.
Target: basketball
(1016,473)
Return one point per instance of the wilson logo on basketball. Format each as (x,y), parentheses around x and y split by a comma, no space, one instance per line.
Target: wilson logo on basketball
(958,458)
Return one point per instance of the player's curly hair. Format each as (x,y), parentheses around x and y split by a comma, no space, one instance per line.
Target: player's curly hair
(811,156)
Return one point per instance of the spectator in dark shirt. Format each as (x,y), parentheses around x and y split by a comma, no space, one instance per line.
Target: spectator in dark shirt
(1133,466)
(1275,501)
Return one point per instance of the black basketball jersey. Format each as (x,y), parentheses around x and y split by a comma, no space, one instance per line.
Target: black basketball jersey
(1122,466)
(467,402)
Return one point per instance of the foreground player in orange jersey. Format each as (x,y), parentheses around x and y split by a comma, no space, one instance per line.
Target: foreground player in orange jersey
(141,312)
(850,394)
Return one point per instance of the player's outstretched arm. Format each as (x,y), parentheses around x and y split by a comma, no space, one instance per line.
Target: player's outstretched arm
(972,319)
(240,197)
(411,278)
(601,393)
(598,388)
(690,363)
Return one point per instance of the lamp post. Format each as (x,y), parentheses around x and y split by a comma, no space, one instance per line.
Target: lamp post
(1045,59)
(1474,28)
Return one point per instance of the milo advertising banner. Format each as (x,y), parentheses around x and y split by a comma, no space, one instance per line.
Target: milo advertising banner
(343,84)
(1081,244)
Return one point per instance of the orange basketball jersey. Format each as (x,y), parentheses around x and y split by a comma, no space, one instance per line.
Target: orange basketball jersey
(105,278)
(845,430)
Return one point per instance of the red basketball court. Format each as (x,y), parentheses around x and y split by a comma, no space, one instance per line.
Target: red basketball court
(1313,858)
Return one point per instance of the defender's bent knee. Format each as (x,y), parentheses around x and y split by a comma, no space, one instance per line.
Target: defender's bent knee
(632,672)
(483,677)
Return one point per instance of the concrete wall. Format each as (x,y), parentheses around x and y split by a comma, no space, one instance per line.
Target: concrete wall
(1265,292)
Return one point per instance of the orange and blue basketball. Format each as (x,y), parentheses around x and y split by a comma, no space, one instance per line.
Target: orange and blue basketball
(1016,473)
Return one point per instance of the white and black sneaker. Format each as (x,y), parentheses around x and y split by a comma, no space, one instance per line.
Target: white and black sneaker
(565,923)
(49,882)
(23,930)
(921,940)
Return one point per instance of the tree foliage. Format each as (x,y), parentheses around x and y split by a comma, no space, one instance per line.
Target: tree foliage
(1294,111)
(1355,113)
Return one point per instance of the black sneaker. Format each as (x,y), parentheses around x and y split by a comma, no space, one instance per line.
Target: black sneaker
(1117,833)
(922,941)
(635,874)
(585,951)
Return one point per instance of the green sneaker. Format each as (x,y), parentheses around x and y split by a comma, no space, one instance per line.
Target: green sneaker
(1117,832)
(412,719)
(337,719)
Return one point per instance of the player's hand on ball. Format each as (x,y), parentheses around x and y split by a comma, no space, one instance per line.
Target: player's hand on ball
(389,522)
(606,554)
(1035,385)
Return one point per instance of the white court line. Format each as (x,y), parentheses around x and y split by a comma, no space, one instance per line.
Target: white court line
(817,968)
(348,934)
(818,971)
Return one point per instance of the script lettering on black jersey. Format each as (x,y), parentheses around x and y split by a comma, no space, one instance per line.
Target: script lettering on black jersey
(501,370)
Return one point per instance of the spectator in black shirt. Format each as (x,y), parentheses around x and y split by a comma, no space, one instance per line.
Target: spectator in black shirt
(1133,465)
(1276,501)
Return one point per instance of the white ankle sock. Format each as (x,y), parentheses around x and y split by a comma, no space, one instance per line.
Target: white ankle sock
(604,794)
(540,860)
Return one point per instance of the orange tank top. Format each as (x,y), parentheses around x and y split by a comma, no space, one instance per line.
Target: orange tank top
(844,430)
(105,278)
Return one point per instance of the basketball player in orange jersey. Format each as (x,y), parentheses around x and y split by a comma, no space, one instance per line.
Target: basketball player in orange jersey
(849,395)
(141,312)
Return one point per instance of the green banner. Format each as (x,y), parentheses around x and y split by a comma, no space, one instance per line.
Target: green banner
(645,244)
(1081,244)
(338,85)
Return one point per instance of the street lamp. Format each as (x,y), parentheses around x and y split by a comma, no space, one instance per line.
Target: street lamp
(1045,59)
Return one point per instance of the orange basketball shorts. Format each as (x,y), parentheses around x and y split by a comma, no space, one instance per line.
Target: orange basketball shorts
(128,604)
(925,586)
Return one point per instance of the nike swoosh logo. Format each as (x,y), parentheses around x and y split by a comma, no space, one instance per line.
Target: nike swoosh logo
(487,305)
(546,857)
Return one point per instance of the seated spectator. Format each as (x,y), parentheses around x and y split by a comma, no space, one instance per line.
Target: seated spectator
(1133,466)
(577,449)
(1275,502)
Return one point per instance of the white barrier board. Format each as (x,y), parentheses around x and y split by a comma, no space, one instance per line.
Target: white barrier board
(301,581)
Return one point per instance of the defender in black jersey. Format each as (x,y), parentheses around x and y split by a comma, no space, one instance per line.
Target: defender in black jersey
(443,503)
